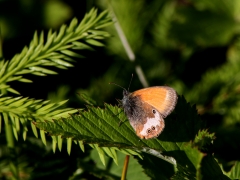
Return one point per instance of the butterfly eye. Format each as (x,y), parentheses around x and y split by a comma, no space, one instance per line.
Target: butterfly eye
(154,111)
(153,128)
(149,130)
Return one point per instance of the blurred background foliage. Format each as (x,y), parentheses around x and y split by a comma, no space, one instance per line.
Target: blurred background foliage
(190,45)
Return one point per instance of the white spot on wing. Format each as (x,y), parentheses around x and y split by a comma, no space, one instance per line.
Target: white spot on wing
(151,122)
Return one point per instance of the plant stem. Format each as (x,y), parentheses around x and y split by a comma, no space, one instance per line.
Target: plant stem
(127,48)
(125,167)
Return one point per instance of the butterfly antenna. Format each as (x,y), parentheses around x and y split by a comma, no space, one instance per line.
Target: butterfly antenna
(130,82)
(117,85)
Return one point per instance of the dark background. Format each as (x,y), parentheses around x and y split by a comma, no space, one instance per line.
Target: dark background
(192,46)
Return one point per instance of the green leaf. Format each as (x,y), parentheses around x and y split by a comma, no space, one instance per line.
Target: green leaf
(43,137)
(69,145)
(3,68)
(42,70)
(101,154)
(34,129)
(156,168)
(211,170)
(72,25)
(25,134)
(25,80)
(59,141)
(80,45)
(14,78)
(94,42)
(61,62)
(97,123)
(71,53)
(81,145)
(234,173)
(15,133)
(174,145)
(13,91)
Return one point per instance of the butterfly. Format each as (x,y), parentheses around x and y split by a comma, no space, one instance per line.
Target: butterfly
(146,109)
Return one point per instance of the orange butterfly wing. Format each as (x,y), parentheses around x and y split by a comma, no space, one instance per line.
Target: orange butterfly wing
(163,98)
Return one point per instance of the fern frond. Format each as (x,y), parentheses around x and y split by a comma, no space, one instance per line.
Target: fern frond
(57,51)
(20,110)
